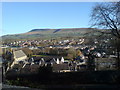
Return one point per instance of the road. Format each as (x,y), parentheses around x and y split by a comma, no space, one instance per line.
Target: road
(11,87)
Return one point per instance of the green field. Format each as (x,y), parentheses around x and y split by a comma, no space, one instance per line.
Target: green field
(39,55)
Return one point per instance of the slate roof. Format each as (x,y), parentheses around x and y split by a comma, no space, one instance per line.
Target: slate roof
(58,67)
(30,68)
(17,66)
(19,54)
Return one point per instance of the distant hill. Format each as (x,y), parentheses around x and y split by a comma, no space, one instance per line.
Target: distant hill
(54,33)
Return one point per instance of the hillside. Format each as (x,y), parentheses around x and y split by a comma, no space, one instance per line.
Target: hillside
(54,33)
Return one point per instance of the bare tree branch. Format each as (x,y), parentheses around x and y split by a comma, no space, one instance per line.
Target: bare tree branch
(107,16)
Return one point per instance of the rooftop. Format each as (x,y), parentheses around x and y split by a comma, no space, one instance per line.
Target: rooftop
(19,54)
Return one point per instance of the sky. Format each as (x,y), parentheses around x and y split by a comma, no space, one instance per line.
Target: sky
(21,17)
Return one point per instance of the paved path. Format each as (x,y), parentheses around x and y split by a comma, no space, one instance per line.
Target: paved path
(67,87)
(10,87)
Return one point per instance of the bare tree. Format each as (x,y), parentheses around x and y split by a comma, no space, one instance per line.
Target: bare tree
(71,53)
(116,46)
(107,16)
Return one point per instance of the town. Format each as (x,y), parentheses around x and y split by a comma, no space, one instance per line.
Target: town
(67,55)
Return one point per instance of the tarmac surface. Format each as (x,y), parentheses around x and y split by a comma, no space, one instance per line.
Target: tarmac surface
(11,87)
(66,87)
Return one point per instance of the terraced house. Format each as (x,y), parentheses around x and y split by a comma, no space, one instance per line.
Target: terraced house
(19,56)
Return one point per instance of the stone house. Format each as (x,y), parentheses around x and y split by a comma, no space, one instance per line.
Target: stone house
(105,63)
(19,56)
